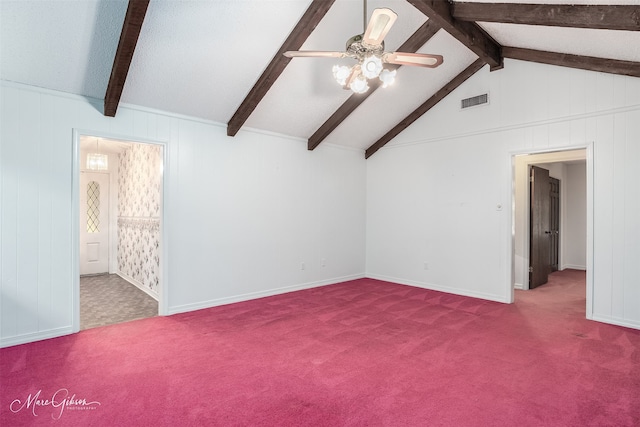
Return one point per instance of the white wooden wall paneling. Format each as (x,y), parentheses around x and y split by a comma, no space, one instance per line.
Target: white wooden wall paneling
(618,216)
(252,240)
(27,213)
(603,215)
(248,209)
(45,195)
(632,224)
(531,117)
(8,228)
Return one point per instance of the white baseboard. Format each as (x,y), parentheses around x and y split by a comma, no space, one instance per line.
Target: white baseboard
(261,294)
(633,324)
(139,285)
(35,336)
(519,286)
(574,267)
(447,289)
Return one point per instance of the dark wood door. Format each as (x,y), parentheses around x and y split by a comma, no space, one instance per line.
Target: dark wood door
(554,218)
(540,230)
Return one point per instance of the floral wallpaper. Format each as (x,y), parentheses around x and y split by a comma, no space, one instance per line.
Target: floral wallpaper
(139,181)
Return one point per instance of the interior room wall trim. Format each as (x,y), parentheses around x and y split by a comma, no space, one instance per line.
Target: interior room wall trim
(97,103)
(440,288)
(35,336)
(138,285)
(616,321)
(522,125)
(574,267)
(254,295)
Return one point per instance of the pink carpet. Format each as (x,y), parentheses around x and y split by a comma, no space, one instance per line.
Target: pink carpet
(360,353)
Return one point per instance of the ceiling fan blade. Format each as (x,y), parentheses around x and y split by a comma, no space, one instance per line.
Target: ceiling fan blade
(419,59)
(313,54)
(354,73)
(381,22)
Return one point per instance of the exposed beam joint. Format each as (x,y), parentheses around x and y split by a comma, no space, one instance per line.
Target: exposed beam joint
(612,66)
(428,104)
(136,11)
(468,33)
(609,17)
(413,43)
(298,36)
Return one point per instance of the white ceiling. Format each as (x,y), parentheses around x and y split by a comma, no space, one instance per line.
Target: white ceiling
(103,145)
(62,45)
(201,58)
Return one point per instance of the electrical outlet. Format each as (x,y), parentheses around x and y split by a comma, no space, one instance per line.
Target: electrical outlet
(302,266)
(323,262)
(426,265)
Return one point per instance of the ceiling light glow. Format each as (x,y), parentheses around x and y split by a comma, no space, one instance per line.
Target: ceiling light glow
(359,84)
(371,66)
(341,74)
(387,77)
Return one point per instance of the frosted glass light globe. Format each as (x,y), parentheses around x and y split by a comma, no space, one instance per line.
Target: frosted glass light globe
(371,66)
(359,84)
(341,74)
(387,77)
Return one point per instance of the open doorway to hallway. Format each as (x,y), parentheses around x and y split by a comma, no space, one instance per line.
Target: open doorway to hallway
(540,246)
(120,210)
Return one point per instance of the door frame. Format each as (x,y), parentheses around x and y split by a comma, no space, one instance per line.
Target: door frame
(163,303)
(555,221)
(512,218)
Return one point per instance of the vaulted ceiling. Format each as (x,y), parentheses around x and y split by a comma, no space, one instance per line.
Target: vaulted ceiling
(221,60)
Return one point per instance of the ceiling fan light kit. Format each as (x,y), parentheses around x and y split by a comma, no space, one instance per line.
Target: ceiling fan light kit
(371,66)
(387,77)
(359,84)
(341,74)
(368,50)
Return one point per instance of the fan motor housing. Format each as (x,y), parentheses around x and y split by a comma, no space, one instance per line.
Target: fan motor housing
(358,49)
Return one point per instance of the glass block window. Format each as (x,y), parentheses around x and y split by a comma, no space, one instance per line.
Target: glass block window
(93,207)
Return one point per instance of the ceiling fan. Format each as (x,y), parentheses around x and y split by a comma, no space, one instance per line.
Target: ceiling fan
(368,50)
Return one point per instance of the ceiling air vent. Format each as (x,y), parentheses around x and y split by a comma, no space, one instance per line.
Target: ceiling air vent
(474,100)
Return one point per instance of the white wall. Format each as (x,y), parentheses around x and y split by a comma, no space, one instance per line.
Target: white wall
(437,203)
(241,214)
(432,194)
(575,190)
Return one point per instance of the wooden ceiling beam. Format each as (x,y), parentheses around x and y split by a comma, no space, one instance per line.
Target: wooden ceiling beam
(133,19)
(612,66)
(311,18)
(468,33)
(413,43)
(426,106)
(609,17)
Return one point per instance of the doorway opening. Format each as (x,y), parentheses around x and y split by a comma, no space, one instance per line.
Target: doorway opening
(119,205)
(542,246)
